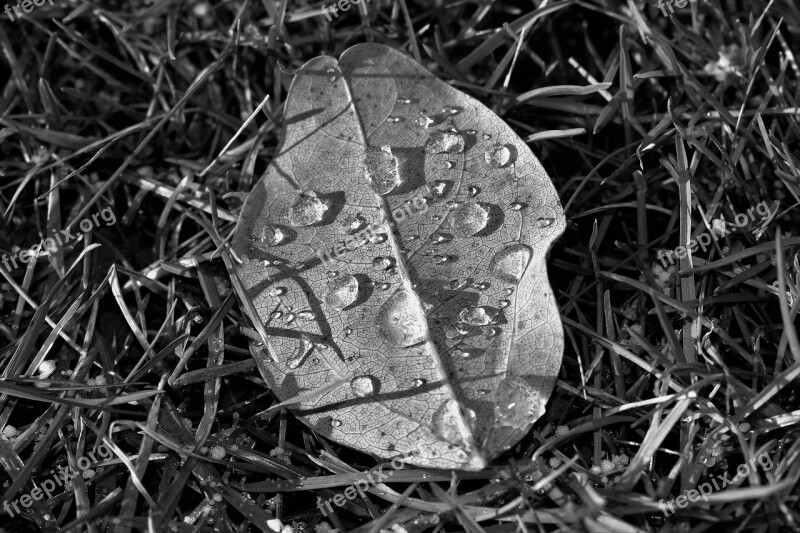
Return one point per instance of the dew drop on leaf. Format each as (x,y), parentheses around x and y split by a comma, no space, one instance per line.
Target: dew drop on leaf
(504,303)
(404,101)
(497,156)
(380,169)
(381,263)
(487,136)
(277,314)
(419,382)
(441,259)
(306,315)
(264,262)
(394,120)
(436,188)
(336,423)
(270,234)
(517,403)
(342,291)
(364,385)
(348,331)
(516,206)
(351,223)
(473,190)
(277,291)
(469,218)
(451,110)
(401,320)
(445,142)
(440,238)
(475,316)
(423,121)
(303,351)
(306,209)
(510,263)
(452,204)
(451,425)
(456,284)
(491,332)
(545,222)
(384,286)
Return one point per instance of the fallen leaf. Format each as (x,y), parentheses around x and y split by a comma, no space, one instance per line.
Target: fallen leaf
(397,242)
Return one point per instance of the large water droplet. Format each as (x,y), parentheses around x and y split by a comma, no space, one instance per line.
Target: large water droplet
(364,385)
(342,291)
(270,235)
(445,142)
(510,263)
(352,223)
(401,319)
(475,316)
(437,188)
(380,169)
(517,403)
(451,424)
(381,263)
(303,351)
(497,156)
(306,209)
(469,218)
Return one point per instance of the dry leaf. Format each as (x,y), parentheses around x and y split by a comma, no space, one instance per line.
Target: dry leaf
(398,241)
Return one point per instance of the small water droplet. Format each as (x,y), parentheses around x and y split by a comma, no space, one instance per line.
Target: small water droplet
(348,331)
(277,314)
(401,319)
(475,316)
(452,110)
(445,142)
(482,392)
(342,291)
(331,274)
(384,286)
(272,235)
(364,385)
(516,206)
(436,218)
(395,119)
(419,382)
(304,349)
(423,121)
(509,264)
(306,209)
(437,188)
(264,262)
(455,284)
(290,318)
(411,238)
(487,136)
(473,190)
(491,332)
(277,291)
(517,403)
(449,164)
(509,291)
(452,204)
(451,423)
(481,286)
(404,101)
(369,283)
(441,238)
(333,74)
(441,259)
(469,218)
(497,156)
(306,315)
(351,223)
(451,334)
(545,222)
(381,263)
(458,353)
(504,303)
(380,169)
(377,238)
(336,423)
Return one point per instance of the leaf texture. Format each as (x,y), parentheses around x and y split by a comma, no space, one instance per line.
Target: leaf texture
(397,244)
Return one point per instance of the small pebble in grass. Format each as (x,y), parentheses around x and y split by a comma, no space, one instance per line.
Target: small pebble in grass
(607,466)
(562,430)
(555,462)
(217,452)
(10,432)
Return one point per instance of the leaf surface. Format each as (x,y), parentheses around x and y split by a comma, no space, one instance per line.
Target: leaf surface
(397,242)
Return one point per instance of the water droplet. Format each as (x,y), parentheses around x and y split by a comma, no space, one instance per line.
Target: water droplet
(276,314)
(440,238)
(449,164)
(331,274)
(395,119)
(306,315)
(272,235)
(445,142)
(452,204)
(504,303)
(509,291)
(487,136)
(342,291)
(364,385)
(401,319)
(436,218)
(455,285)
(306,209)
(290,318)
(381,263)
(517,403)
(482,392)
(380,169)
(509,264)
(473,190)
(491,332)
(451,110)
(277,291)
(423,121)
(336,423)
(451,334)
(481,286)
(469,218)
(384,286)
(441,259)
(437,188)
(516,206)
(352,223)
(264,262)
(369,283)
(451,425)
(377,238)
(304,349)
(419,382)
(463,328)
(463,355)
(411,238)
(545,222)
(497,156)
(475,316)
(348,331)
(404,101)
